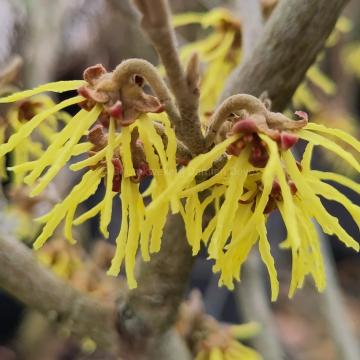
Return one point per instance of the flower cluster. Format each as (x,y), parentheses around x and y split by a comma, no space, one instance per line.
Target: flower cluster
(123,145)
(30,147)
(127,137)
(84,271)
(261,175)
(220,52)
(209,339)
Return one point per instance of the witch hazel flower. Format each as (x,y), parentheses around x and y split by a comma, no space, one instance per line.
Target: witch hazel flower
(262,175)
(123,145)
(209,339)
(31,147)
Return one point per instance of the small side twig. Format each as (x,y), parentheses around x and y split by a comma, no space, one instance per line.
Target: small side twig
(231,105)
(157,25)
(148,71)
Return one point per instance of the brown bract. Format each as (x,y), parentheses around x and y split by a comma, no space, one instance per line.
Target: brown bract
(247,115)
(125,104)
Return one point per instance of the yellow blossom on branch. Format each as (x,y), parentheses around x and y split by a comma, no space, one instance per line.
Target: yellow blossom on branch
(123,147)
(220,51)
(260,176)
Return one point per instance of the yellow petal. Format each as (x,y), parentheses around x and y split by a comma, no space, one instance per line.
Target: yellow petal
(330,145)
(57,214)
(125,151)
(105,217)
(186,175)
(340,134)
(28,127)
(340,179)
(66,152)
(264,248)
(122,236)
(314,207)
(59,87)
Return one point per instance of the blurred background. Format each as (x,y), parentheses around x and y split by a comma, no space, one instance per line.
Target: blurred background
(44,40)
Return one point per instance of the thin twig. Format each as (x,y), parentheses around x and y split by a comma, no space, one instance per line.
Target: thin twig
(156,22)
(148,71)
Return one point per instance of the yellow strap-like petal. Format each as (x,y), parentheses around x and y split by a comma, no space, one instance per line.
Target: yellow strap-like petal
(78,198)
(329,223)
(333,194)
(132,243)
(330,145)
(265,252)
(89,214)
(226,215)
(340,179)
(216,354)
(28,127)
(59,87)
(52,151)
(57,214)
(122,236)
(65,154)
(105,217)
(245,331)
(307,156)
(338,133)
(186,175)
(125,151)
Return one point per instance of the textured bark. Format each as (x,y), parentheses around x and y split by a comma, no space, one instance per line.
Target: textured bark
(148,312)
(293,36)
(156,24)
(38,288)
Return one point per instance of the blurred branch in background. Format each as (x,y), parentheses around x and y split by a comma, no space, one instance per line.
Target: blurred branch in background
(253,303)
(23,277)
(11,16)
(333,309)
(290,43)
(250,14)
(42,42)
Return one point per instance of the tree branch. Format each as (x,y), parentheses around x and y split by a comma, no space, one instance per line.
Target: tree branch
(146,313)
(156,23)
(38,288)
(292,38)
